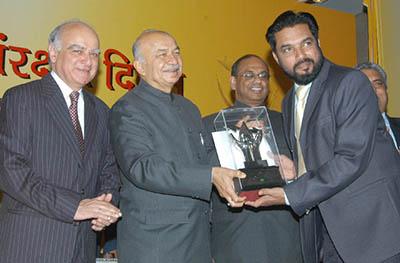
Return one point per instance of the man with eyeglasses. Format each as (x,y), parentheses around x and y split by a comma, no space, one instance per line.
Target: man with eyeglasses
(377,77)
(243,234)
(57,169)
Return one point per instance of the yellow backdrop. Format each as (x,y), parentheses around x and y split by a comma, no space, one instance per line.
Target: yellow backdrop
(211,34)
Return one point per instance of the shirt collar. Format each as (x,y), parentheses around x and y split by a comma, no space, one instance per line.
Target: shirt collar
(385,118)
(65,89)
(296,86)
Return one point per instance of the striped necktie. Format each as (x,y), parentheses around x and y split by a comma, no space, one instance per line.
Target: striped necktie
(73,112)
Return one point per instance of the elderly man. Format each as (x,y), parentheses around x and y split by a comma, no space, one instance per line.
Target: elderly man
(348,191)
(252,235)
(159,144)
(377,77)
(57,168)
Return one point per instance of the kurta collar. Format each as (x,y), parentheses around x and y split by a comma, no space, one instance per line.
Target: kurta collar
(147,88)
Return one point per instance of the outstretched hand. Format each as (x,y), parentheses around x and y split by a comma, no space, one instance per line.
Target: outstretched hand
(269,197)
(222,178)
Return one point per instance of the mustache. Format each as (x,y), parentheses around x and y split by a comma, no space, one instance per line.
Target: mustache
(172,68)
(305,60)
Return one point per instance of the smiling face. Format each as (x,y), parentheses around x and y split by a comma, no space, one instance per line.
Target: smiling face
(75,57)
(161,63)
(251,83)
(298,53)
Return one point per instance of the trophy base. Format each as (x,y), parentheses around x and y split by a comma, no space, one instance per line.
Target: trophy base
(250,195)
(257,178)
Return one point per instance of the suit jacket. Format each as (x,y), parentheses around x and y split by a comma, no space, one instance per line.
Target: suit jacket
(395,127)
(166,180)
(44,176)
(352,169)
(253,235)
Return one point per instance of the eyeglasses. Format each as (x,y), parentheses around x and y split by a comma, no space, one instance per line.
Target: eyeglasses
(250,75)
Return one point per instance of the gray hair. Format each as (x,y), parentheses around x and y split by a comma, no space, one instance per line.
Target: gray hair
(136,47)
(373,66)
(55,35)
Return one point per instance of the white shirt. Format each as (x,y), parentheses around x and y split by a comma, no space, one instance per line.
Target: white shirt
(66,91)
(387,123)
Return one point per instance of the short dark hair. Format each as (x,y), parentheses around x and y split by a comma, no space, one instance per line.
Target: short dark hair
(236,64)
(290,19)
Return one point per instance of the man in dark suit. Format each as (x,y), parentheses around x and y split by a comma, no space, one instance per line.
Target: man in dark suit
(166,179)
(244,234)
(377,77)
(348,192)
(57,168)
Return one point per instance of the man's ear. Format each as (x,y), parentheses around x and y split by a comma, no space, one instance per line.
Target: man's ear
(275,57)
(139,67)
(52,53)
(233,83)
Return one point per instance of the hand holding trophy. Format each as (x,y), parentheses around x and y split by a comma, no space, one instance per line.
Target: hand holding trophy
(244,140)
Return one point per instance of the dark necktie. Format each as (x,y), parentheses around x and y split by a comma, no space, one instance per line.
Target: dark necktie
(73,112)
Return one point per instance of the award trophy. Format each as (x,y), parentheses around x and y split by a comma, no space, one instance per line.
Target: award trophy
(244,140)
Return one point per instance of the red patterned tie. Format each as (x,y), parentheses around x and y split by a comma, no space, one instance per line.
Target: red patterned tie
(73,112)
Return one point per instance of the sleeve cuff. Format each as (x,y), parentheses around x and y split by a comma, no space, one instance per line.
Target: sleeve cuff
(286,199)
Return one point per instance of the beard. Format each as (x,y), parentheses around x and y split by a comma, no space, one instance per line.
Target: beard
(304,79)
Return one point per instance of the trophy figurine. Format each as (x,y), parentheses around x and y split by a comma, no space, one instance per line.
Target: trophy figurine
(251,150)
(249,142)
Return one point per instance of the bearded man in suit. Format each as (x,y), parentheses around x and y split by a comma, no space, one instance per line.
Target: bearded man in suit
(348,191)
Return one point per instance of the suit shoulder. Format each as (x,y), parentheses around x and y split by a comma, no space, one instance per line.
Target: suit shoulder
(342,72)
(22,96)
(208,121)
(210,117)
(26,89)
(183,100)
(130,100)
(99,104)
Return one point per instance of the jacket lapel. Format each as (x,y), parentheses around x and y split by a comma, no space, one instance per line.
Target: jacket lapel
(396,131)
(90,122)
(288,112)
(313,97)
(59,112)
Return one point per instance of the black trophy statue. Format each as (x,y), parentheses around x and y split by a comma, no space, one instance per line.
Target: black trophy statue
(259,173)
